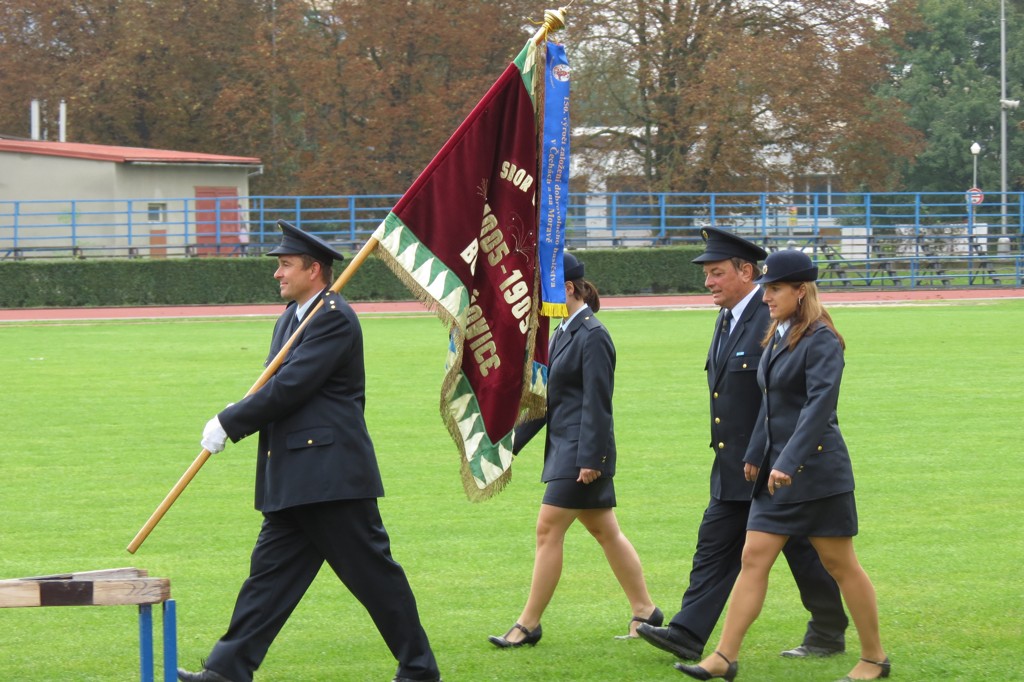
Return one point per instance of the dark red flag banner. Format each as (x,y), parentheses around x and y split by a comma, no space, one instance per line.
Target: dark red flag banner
(463,238)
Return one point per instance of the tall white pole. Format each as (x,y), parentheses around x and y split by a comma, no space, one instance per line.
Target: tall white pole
(35,120)
(1002,114)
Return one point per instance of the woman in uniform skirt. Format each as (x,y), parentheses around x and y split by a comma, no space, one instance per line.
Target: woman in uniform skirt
(579,462)
(803,479)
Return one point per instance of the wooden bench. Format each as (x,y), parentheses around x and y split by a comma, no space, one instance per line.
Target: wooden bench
(26,252)
(110,587)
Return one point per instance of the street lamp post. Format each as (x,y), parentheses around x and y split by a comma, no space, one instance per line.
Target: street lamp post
(975,150)
(971,195)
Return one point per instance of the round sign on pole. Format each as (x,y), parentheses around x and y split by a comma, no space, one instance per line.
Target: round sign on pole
(975,196)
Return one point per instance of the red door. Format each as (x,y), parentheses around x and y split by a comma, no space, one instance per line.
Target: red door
(219,228)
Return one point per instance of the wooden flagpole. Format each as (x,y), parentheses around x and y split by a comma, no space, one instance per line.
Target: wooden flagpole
(190,473)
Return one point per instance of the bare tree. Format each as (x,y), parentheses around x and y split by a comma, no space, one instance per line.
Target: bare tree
(720,95)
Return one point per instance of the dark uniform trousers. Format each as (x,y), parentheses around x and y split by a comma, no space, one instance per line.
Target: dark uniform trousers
(292,546)
(716,563)
(736,398)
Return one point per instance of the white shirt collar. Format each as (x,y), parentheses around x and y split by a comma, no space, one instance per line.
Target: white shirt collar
(567,320)
(784,327)
(300,310)
(738,309)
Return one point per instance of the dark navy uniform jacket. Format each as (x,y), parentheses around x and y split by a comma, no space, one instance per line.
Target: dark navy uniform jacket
(797,431)
(313,444)
(581,379)
(735,400)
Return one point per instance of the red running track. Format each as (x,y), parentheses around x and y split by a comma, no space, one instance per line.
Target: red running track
(689,301)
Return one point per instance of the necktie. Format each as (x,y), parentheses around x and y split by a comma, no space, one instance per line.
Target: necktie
(723,336)
(293,324)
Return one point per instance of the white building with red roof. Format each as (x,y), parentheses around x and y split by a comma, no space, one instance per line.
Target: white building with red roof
(120,201)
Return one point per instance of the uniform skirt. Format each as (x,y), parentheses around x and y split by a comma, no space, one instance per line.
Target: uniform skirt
(834,516)
(567,493)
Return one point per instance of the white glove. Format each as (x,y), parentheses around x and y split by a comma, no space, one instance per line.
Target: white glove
(214,436)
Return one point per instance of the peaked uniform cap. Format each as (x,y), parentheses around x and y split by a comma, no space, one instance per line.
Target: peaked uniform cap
(721,245)
(789,265)
(295,242)
(572,268)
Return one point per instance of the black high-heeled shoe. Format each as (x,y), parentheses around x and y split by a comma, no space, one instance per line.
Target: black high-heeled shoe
(654,620)
(530,639)
(699,673)
(885,665)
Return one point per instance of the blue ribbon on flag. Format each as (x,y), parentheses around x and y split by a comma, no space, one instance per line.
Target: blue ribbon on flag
(554,185)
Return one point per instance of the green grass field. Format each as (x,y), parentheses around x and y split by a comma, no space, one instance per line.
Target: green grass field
(100,419)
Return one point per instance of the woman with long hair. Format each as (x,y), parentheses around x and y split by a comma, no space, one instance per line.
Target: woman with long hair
(803,478)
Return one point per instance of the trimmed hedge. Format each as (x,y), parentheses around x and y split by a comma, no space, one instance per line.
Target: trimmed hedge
(664,270)
(196,281)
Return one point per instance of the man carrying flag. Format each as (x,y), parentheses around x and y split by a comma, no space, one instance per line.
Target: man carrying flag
(317,480)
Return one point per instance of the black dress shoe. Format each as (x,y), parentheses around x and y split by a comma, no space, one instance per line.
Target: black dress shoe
(409,679)
(204,675)
(531,638)
(885,666)
(811,651)
(699,673)
(673,640)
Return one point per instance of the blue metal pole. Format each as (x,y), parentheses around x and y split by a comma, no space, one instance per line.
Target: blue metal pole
(763,201)
(662,218)
(970,238)
(16,214)
(170,641)
(352,219)
(146,643)
(131,206)
(614,217)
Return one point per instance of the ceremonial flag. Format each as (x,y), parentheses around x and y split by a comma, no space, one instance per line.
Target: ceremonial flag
(463,238)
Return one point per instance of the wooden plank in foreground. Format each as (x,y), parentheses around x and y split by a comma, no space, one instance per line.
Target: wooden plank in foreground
(106,573)
(83,592)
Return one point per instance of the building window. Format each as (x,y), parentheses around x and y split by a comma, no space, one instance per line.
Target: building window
(157,213)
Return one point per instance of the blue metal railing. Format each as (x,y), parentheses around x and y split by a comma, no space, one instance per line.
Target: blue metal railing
(911,233)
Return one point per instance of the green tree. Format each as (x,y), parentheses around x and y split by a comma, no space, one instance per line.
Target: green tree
(948,75)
